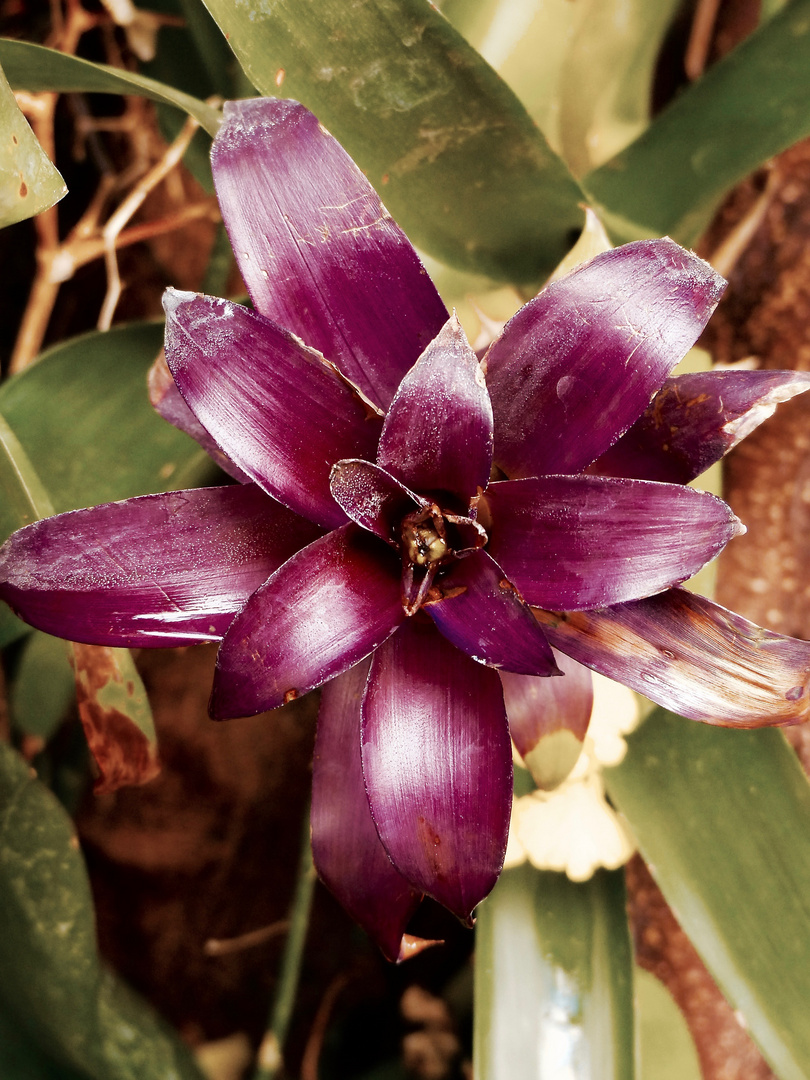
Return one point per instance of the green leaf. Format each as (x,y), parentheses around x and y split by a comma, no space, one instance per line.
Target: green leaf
(453,153)
(605,90)
(23,500)
(723,819)
(51,982)
(667,1050)
(33,67)
(553,979)
(22,1059)
(746,108)
(83,417)
(29,183)
(43,688)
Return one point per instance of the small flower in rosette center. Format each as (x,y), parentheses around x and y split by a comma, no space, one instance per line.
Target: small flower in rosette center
(424,537)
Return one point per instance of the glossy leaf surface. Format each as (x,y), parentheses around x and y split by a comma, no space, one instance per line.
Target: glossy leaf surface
(29,183)
(322,612)
(747,108)
(554,979)
(34,67)
(280,411)
(424,117)
(685,652)
(346,849)
(736,869)
(588,541)
(83,417)
(437,765)
(576,366)
(318,252)
(51,980)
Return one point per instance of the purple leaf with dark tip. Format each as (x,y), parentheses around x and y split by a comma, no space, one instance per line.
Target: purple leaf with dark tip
(168,569)
(692,656)
(437,765)
(318,251)
(278,410)
(323,611)
(348,854)
(694,420)
(589,541)
(437,434)
(373,498)
(548,719)
(578,364)
(480,611)
(168,402)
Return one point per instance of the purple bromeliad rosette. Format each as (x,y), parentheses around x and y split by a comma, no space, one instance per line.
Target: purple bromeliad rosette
(367,546)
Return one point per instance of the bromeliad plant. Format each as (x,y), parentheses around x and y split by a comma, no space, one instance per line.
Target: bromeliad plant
(409,520)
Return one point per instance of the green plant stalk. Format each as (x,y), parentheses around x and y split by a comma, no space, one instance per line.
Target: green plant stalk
(270,1059)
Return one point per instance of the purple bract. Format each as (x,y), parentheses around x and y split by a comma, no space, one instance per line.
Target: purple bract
(365,546)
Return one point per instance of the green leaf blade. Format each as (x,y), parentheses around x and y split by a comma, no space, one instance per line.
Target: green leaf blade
(723,818)
(553,979)
(52,985)
(750,106)
(83,417)
(426,118)
(34,67)
(29,182)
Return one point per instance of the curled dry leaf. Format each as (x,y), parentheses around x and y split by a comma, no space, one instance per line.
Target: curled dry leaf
(115,716)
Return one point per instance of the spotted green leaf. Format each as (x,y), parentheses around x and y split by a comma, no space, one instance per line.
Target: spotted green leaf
(453,153)
(52,984)
(29,183)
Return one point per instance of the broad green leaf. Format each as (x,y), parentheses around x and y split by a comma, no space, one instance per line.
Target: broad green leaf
(29,183)
(666,1048)
(83,417)
(43,686)
(22,1059)
(453,153)
(52,985)
(23,500)
(745,109)
(723,819)
(34,67)
(553,979)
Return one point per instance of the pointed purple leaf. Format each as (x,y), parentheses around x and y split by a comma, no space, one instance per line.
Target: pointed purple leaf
(348,854)
(319,252)
(692,656)
(157,570)
(480,611)
(694,420)
(278,410)
(323,611)
(548,719)
(168,402)
(578,364)
(589,541)
(373,498)
(437,765)
(437,434)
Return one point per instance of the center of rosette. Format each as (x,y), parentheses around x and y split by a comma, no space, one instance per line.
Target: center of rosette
(424,536)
